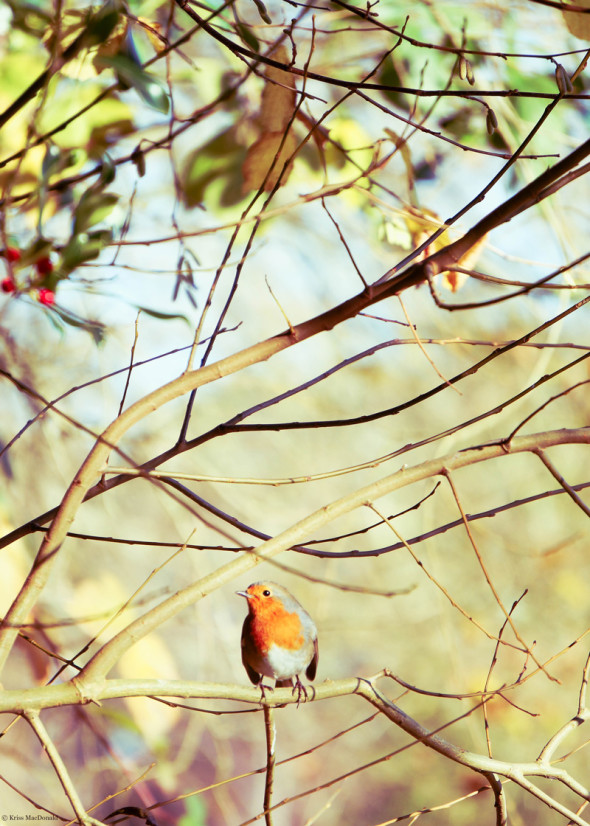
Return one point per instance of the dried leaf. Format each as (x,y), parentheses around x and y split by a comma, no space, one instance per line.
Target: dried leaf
(262,11)
(562,79)
(260,157)
(276,112)
(319,134)
(491,122)
(577,23)
(278,97)
(138,159)
(462,67)
(402,146)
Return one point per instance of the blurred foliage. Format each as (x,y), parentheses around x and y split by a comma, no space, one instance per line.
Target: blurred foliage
(132,172)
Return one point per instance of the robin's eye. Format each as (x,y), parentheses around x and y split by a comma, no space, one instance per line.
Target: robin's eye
(266,593)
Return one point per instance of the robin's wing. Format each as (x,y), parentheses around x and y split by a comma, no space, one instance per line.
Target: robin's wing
(313,666)
(254,676)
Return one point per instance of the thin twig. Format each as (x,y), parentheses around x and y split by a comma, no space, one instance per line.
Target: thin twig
(435,582)
(423,349)
(131,363)
(489,580)
(564,484)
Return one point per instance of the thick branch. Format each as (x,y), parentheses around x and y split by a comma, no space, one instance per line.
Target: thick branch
(30,700)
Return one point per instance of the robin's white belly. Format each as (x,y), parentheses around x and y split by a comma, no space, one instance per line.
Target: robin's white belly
(284,663)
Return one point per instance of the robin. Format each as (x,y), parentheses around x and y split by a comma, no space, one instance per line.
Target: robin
(279,638)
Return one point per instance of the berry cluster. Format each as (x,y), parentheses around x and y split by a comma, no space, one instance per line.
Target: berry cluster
(43,267)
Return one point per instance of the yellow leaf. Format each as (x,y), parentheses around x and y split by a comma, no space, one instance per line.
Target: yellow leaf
(420,224)
(453,280)
(153,30)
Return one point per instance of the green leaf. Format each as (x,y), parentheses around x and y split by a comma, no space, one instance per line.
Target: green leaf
(93,207)
(29,18)
(248,37)
(55,161)
(107,171)
(37,249)
(51,161)
(101,24)
(96,329)
(162,316)
(83,247)
(392,73)
(147,86)
(214,162)
(138,159)
(196,813)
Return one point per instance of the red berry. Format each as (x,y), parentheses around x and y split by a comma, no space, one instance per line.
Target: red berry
(46,296)
(8,285)
(12,254)
(43,265)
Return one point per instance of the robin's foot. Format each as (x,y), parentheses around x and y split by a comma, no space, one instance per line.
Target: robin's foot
(263,688)
(300,689)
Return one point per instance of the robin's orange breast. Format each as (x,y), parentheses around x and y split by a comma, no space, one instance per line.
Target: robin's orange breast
(275,626)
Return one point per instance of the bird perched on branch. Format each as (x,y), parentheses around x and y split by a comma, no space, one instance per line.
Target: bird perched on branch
(279,638)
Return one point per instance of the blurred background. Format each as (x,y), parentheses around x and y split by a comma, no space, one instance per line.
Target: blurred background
(132,180)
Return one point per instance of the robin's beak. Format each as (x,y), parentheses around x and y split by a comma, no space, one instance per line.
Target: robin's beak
(243,594)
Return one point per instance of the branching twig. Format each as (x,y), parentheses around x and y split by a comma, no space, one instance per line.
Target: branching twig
(582,715)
